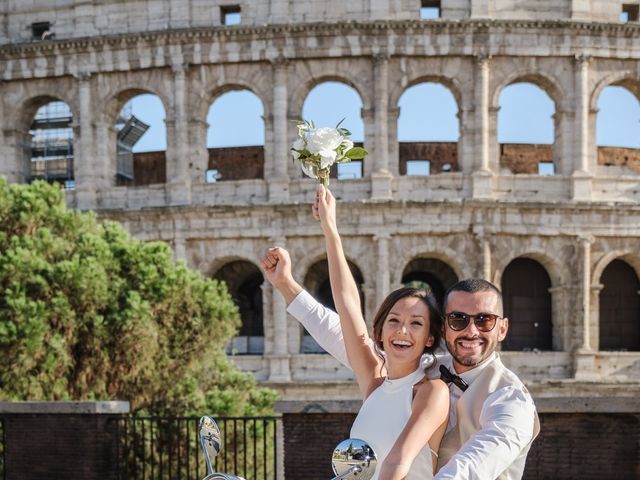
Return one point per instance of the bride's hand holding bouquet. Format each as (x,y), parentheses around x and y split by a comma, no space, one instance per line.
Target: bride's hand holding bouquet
(317,149)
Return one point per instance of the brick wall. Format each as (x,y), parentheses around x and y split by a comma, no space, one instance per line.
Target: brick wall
(523,158)
(79,447)
(570,445)
(148,168)
(309,440)
(237,163)
(439,155)
(621,157)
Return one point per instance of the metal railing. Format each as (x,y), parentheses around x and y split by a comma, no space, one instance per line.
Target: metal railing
(2,444)
(167,448)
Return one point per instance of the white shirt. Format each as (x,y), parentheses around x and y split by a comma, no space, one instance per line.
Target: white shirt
(507,416)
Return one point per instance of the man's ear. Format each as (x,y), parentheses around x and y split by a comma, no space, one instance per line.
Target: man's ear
(502,330)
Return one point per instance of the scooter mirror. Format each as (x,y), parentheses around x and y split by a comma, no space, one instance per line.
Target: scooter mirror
(209,440)
(353,459)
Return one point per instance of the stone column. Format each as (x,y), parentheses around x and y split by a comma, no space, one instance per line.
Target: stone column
(484,241)
(383,282)
(584,360)
(178,179)
(179,249)
(582,178)
(482,175)
(279,359)
(381,177)
(87,182)
(277,178)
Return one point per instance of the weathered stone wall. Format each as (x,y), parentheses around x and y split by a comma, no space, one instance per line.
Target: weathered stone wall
(80,18)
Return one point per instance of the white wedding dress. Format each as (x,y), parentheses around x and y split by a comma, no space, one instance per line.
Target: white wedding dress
(383,416)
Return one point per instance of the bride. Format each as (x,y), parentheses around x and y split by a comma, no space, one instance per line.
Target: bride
(404,415)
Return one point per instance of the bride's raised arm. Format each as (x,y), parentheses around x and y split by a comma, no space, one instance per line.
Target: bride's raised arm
(363,360)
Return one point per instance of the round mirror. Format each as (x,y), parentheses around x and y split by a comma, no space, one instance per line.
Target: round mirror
(354,459)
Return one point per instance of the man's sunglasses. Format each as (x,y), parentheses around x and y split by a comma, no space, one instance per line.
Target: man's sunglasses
(484,322)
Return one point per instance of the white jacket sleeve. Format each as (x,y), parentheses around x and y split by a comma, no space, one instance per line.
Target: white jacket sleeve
(507,421)
(322,324)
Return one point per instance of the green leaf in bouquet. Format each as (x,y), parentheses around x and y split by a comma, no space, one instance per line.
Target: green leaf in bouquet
(344,132)
(356,153)
(340,122)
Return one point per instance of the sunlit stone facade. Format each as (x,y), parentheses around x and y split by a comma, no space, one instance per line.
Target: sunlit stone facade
(579,227)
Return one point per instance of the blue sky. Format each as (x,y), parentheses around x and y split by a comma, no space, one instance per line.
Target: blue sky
(427,113)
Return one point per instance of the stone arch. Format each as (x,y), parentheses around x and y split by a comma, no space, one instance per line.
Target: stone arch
(443,254)
(632,258)
(436,155)
(244,281)
(551,264)
(63,168)
(624,78)
(435,273)
(300,94)
(223,160)
(28,106)
(526,290)
(212,95)
(117,99)
(619,307)
(316,281)
(154,167)
(548,83)
(451,84)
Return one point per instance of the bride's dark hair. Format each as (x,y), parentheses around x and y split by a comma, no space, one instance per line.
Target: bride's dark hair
(435,317)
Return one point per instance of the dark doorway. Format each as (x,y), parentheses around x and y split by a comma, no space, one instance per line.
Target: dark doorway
(527,305)
(244,281)
(317,283)
(619,308)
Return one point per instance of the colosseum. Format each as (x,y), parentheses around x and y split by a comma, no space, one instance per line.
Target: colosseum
(565,246)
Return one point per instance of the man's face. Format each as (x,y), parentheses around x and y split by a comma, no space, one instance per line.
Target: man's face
(470,347)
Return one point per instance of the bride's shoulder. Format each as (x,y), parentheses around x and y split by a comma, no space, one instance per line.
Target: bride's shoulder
(431,386)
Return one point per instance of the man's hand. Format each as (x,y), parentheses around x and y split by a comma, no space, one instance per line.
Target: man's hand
(277,268)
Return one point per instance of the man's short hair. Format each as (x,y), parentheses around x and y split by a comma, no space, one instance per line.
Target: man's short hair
(473,285)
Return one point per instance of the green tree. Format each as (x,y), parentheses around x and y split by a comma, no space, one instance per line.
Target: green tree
(87,312)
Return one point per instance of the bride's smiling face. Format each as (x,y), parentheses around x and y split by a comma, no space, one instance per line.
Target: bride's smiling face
(405,332)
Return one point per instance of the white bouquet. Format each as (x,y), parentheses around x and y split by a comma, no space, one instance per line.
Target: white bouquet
(319,148)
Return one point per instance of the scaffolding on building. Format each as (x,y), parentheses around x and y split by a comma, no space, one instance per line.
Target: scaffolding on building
(131,131)
(50,151)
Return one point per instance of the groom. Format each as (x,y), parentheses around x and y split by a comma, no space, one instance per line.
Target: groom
(492,418)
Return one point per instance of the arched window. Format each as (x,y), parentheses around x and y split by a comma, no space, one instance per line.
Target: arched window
(428,130)
(328,103)
(318,284)
(244,281)
(527,305)
(141,141)
(235,138)
(50,151)
(618,129)
(526,129)
(619,308)
(429,273)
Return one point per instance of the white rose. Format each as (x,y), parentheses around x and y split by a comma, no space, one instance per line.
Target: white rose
(324,140)
(297,145)
(307,169)
(347,144)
